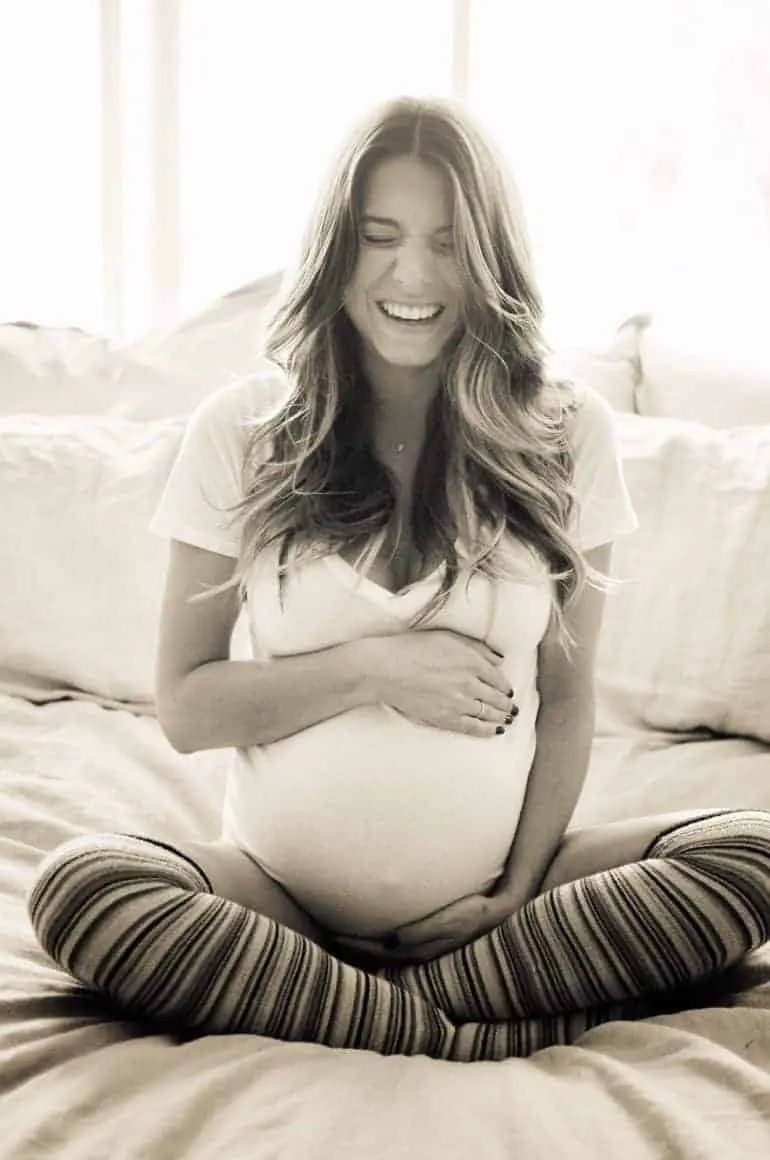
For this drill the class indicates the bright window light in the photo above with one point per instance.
(267, 92)
(50, 195)
(637, 134)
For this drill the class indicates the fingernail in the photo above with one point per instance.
(510, 692)
(515, 710)
(509, 720)
(500, 729)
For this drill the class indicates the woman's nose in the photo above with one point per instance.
(414, 264)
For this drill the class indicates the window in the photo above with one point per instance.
(164, 152)
(638, 135)
(266, 95)
(51, 191)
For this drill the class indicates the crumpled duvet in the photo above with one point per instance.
(76, 1081)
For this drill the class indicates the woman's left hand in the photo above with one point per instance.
(444, 930)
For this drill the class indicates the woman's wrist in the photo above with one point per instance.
(501, 905)
(367, 669)
(512, 895)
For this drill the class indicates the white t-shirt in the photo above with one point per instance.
(369, 819)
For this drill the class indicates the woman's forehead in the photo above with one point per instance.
(407, 185)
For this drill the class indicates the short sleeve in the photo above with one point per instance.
(603, 510)
(206, 477)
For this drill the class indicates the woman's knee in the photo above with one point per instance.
(607, 845)
(730, 834)
(73, 876)
(81, 870)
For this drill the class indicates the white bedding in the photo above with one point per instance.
(77, 1082)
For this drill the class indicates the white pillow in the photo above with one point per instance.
(169, 372)
(81, 576)
(703, 388)
(54, 370)
(44, 370)
(685, 643)
(612, 370)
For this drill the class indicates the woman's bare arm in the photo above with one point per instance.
(565, 727)
(207, 701)
(241, 703)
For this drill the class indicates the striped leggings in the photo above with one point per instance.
(137, 921)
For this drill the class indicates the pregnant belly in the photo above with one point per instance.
(370, 820)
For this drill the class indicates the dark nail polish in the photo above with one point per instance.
(515, 710)
(510, 692)
(500, 729)
(509, 720)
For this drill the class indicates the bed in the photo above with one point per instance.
(683, 722)
(78, 1082)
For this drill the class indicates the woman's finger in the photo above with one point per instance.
(392, 950)
(486, 712)
(503, 702)
(431, 950)
(371, 946)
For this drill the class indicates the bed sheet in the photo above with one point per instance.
(78, 1082)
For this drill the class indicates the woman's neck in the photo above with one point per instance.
(401, 396)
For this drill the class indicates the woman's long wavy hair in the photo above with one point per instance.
(496, 459)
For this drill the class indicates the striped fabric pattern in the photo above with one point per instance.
(696, 903)
(136, 920)
(138, 924)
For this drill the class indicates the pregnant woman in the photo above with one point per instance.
(419, 522)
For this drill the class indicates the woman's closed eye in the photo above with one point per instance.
(379, 239)
(443, 246)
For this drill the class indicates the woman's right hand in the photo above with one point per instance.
(437, 677)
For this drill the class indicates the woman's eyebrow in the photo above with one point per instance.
(385, 221)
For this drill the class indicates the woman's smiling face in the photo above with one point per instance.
(406, 265)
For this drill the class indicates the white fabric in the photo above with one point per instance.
(79, 1081)
(81, 578)
(61, 370)
(205, 480)
(170, 371)
(611, 368)
(356, 790)
(681, 384)
(685, 642)
(54, 370)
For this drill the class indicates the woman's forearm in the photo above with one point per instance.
(565, 727)
(241, 703)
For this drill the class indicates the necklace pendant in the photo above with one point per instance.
(399, 448)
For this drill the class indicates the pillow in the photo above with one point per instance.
(701, 388)
(612, 370)
(54, 370)
(82, 578)
(685, 641)
(170, 372)
(81, 575)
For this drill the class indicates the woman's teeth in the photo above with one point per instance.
(402, 313)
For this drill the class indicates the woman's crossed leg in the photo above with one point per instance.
(198, 935)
